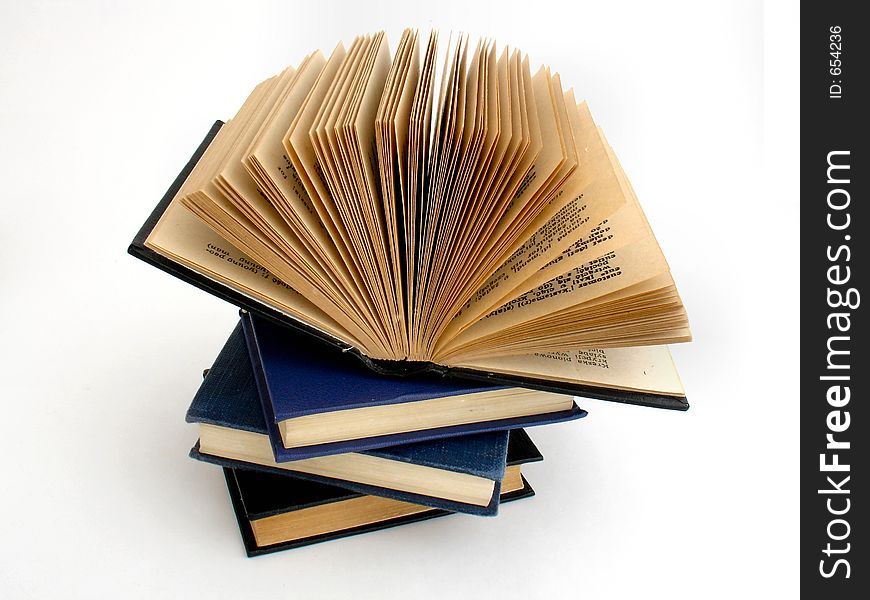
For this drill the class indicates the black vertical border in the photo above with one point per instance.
(833, 120)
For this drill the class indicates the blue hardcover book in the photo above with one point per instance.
(317, 402)
(460, 474)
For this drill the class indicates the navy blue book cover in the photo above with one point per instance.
(296, 377)
(228, 397)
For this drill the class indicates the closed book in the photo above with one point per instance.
(644, 375)
(318, 401)
(276, 512)
(460, 474)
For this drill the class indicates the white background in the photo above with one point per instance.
(101, 104)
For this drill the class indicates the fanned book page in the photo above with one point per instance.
(444, 203)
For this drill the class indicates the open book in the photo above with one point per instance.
(442, 206)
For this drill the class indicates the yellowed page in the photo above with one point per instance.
(335, 168)
(301, 151)
(298, 145)
(391, 133)
(552, 151)
(360, 144)
(442, 157)
(616, 270)
(566, 166)
(520, 155)
(642, 369)
(268, 153)
(489, 144)
(188, 238)
(551, 195)
(499, 135)
(320, 519)
(419, 130)
(274, 245)
(401, 119)
(625, 226)
(342, 173)
(373, 421)
(362, 209)
(250, 222)
(596, 194)
(255, 448)
(511, 235)
(269, 165)
(226, 139)
(183, 238)
(469, 141)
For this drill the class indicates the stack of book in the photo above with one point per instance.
(423, 272)
(316, 446)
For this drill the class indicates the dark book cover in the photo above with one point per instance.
(295, 379)
(396, 368)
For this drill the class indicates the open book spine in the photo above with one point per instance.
(385, 367)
